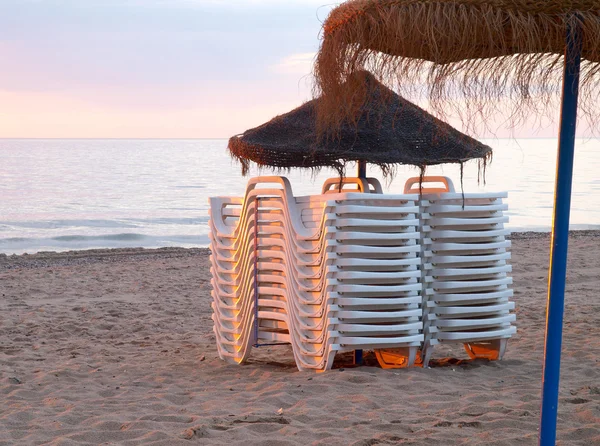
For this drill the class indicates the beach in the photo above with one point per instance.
(116, 347)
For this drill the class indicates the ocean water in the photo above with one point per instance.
(58, 195)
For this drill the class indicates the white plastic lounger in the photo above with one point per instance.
(465, 272)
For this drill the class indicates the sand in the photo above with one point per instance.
(116, 347)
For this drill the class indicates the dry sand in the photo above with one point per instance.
(116, 347)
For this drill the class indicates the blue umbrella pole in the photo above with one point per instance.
(560, 237)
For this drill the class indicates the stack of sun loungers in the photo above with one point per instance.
(373, 277)
(326, 273)
(353, 268)
(465, 270)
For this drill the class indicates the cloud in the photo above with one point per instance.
(55, 116)
(300, 63)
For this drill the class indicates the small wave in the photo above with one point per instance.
(171, 221)
(194, 209)
(21, 245)
(57, 224)
(13, 240)
(83, 238)
(125, 223)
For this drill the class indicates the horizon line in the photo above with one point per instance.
(103, 138)
(218, 138)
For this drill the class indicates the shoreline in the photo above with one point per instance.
(103, 255)
(91, 256)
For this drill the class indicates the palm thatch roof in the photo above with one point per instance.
(389, 130)
(467, 53)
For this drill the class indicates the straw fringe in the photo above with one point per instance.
(466, 57)
(278, 161)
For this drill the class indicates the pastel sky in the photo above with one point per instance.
(153, 68)
(156, 68)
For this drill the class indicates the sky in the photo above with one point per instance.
(153, 68)
(158, 68)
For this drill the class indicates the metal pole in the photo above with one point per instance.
(560, 235)
(362, 169)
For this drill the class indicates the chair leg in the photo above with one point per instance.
(425, 354)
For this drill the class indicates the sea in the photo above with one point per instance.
(73, 194)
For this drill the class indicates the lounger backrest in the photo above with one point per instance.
(428, 185)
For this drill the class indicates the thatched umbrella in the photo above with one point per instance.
(482, 51)
(387, 131)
